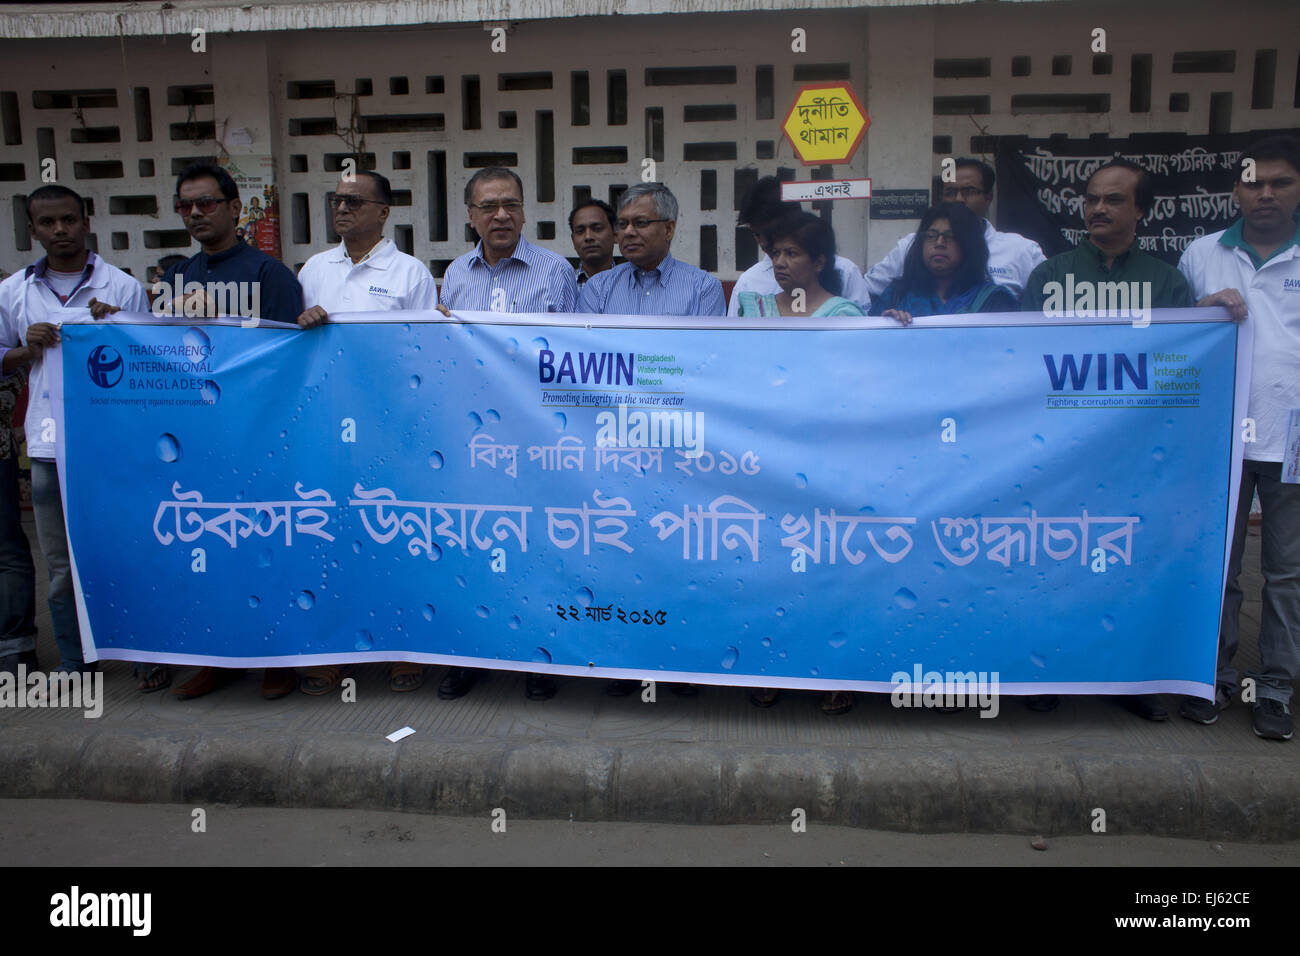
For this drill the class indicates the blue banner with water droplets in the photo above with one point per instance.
(823, 508)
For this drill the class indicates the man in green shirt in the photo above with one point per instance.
(1082, 282)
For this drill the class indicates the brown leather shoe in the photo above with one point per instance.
(279, 682)
(206, 681)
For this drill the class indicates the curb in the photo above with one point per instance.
(1205, 798)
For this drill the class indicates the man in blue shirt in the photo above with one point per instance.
(505, 272)
(253, 285)
(651, 282)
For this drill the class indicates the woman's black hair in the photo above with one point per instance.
(968, 229)
(814, 236)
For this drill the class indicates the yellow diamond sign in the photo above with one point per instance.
(826, 123)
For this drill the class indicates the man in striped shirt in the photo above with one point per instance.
(505, 272)
(651, 282)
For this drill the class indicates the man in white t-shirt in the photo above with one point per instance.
(1253, 269)
(365, 273)
(69, 283)
(760, 208)
(1011, 257)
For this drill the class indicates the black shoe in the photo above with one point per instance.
(1146, 706)
(1205, 711)
(685, 690)
(1272, 720)
(621, 688)
(540, 686)
(1043, 703)
(458, 682)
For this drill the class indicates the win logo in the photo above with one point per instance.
(1076, 369)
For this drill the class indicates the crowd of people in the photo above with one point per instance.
(955, 263)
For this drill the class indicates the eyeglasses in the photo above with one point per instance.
(492, 205)
(931, 235)
(207, 205)
(638, 224)
(966, 192)
(353, 203)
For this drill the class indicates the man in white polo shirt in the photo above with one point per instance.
(1253, 269)
(1011, 256)
(365, 273)
(69, 283)
(760, 209)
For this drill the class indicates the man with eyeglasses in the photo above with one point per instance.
(366, 272)
(1012, 257)
(207, 199)
(651, 281)
(505, 272)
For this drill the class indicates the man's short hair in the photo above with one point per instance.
(762, 203)
(604, 207)
(205, 171)
(382, 185)
(489, 174)
(1285, 148)
(986, 171)
(54, 191)
(665, 202)
(1145, 196)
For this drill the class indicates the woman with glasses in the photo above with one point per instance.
(946, 270)
(803, 264)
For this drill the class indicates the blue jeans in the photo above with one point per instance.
(53, 534)
(1279, 625)
(17, 573)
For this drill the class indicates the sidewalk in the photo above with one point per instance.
(712, 759)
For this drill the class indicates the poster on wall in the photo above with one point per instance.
(259, 219)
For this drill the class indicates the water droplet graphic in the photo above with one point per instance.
(541, 343)
(780, 612)
(1158, 454)
(427, 611)
(306, 600)
(800, 480)
(414, 381)
(264, 558)
(514, 622)
(729, 658)
(435, 551)
(475, 420)
(512, 346)
(905, 599)
(254, 601)
(766, 642)
(169, 449)
(435, 460)
(460, 579)
(585, 597)
(492, 415)
(1108, 622)
(197, 339)
(542, 656)
(481, 611)
(838, 639)
(365, 642)
(561, 421)
(356, 547)
(1038, 661)
(210, 391)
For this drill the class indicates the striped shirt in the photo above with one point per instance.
(531, 279)
(674, 288)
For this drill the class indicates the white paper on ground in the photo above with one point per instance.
(397, 735)
(1291, 453)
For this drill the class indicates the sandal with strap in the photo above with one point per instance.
(837, 702)
(152, 677)
(318, 681)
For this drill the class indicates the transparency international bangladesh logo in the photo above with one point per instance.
(105, 366)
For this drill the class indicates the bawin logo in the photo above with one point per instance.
(105, 366)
